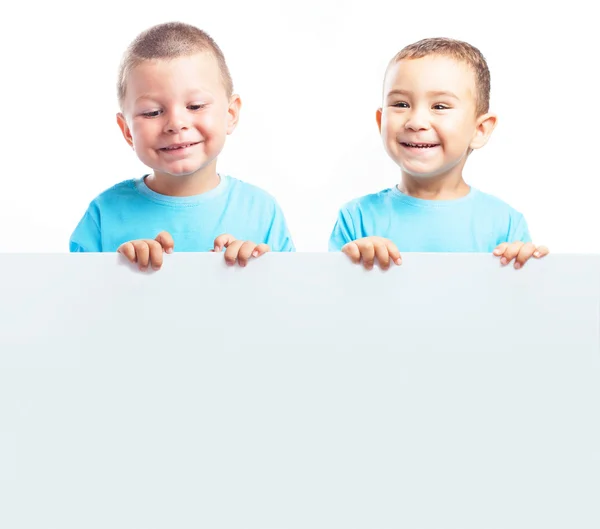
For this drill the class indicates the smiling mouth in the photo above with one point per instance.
(420, 145)
(178, 147)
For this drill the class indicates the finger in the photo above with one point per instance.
(127, 249)
(524, 254)
(367, 251)
(156, 254)
(232, 251)
(501, 248)
(510, 252)
(142, 253)
(394, 252)
(382, 255)
(540, 252)
(223, 241)
(166, 241)
(245, 252)
(261, 249)
(352, 251)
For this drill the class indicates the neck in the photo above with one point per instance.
(442, 188)
(433, 190)
(196, 183)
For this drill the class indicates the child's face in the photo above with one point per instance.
(428, 122)
(176, 114)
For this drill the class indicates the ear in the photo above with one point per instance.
(483, 130)
(122, 122)
(233, 112)
(378, 118)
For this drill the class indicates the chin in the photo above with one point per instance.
(181, 172)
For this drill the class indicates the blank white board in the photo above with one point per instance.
(299, 392)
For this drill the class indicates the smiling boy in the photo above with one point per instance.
(177, 108)
(435, 113)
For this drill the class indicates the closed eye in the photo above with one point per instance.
(196, 107)
(152, 114)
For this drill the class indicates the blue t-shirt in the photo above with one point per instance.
(477, 222)
(131, 210)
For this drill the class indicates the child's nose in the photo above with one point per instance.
(176, 122)
(417, 119)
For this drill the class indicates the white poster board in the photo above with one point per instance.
(299, 392)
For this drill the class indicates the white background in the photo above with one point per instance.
(310, 75)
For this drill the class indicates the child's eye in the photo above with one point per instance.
(400, 104)
(151, 114)
(440, 107)
(196, 107)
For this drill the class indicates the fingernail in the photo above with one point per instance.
(170, 250)
(504, 260)
(398, 261)
(537, 254)
(496, 252)
(517, 266)
(255, 253)
(155, 267)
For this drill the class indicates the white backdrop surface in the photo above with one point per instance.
(310, 76)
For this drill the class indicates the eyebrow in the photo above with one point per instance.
(144, 96)
(437, 93)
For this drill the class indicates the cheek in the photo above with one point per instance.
(213, 124)
(218, 120)
(142, 133)
(389, 128)
(459, 127)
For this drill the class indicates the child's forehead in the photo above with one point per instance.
(202, 64)
(433, 72)
(191, 72)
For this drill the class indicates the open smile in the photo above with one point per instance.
(178, 146)
(419, 145)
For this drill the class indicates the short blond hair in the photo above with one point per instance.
(460, 51)
(169, 41)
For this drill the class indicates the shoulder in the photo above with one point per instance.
(244, 188)
(366, 202)
(493, 204)
(123, 190)
(250, 194)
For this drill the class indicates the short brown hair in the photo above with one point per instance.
(459, 50)
(169, 41)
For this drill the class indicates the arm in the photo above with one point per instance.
(278, 236)
(87, 235)
(343, 231)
